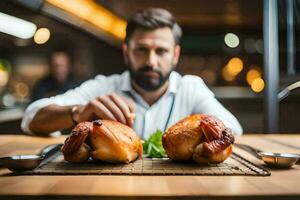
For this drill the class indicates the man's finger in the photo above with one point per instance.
(130, 104)
(126, 109)
(122, 105)
(101, 111)
(130, 109)
(113, 108)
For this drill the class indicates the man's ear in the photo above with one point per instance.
(125, 53)
(176, 54)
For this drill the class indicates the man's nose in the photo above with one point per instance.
(152, 59)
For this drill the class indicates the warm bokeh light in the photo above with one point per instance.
(120, 28)
(102, 19)
(257, 85)
(252, 74)
(94, 13)
(226, 75)
(259, 46)
(4, 76)
(41, 36)
(249, 45)
(231, 40)
(8, 100)
(234, 66)
(22, 89)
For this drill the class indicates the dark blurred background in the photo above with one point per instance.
(222, 43)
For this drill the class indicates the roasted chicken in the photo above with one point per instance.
(200, 137)
(103, 140)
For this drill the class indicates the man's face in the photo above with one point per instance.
(60, 66)
(151, 56)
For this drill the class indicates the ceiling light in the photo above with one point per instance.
(4, 72)
(95, 14)
(16, 27)
(253, 74)
(4, 76)
(259, 46)
(41, 36)
(257, 85)
(226, 75)
(235, 66)
(21, 89)
(231, 40)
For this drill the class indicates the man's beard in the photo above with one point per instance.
(146, 82)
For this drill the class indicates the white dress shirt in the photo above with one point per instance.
(185, 95)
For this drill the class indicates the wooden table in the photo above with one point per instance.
(282, 184)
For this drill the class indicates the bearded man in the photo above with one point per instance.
(148, 96)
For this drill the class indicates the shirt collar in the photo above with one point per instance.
(126, 84)
(173, 82)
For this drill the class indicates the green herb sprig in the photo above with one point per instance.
(153, 146)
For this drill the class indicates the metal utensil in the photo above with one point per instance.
(277, 160)
(29, 162)
(280, 160)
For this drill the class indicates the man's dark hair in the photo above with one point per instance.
(151, 19)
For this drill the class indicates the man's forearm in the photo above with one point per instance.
(51, 118)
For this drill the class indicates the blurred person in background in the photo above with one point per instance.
(58, 81)
(148, 96)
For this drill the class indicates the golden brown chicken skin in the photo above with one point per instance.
(200, 137)
(104, 140)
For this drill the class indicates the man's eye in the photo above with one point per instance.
(142, 50)
(161, 51)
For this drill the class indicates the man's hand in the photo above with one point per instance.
(54, 117)
(112, 107)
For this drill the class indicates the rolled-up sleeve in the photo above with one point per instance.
(80, 95)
